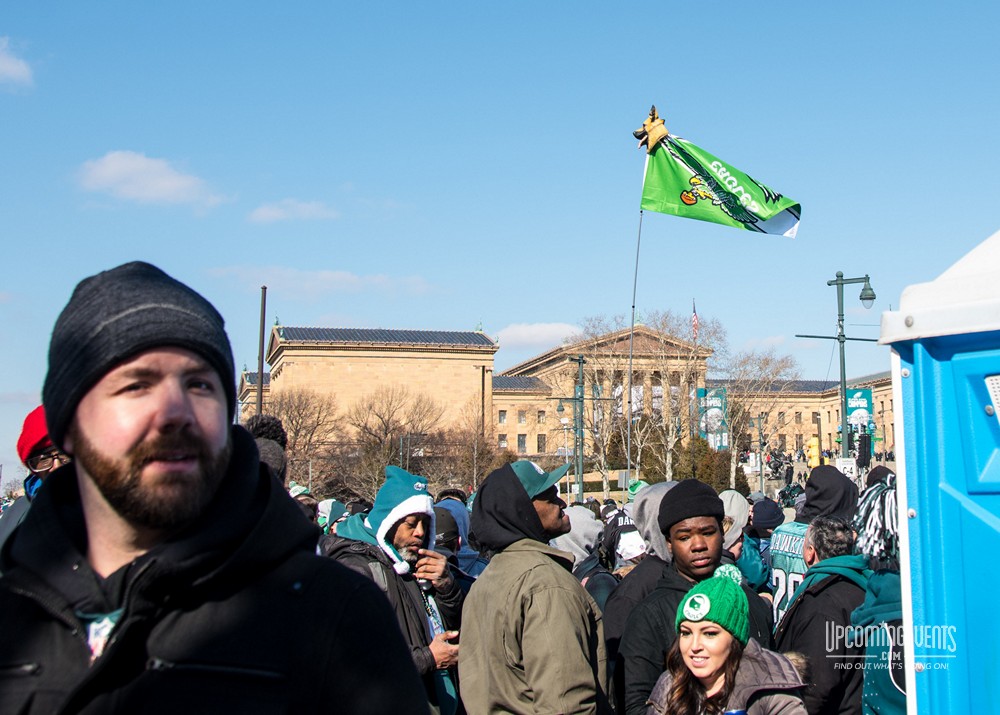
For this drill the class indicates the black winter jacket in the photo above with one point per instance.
(404, 597)
(236, 614)
(836, 680)
(650, 632)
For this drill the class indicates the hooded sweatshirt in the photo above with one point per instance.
(884, 689)
(201, 621)
(640, 581)
(828, 493)
(582, 542)
(469, 559)
(532, 639)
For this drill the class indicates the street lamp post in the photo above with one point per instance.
(867, 298)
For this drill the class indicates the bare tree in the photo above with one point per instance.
(311, 420)
(678, 358)
(756, 381)
(475, 452)
(382, 419)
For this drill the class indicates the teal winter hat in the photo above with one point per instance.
(534, 479)
(402, 494)
(721, 600)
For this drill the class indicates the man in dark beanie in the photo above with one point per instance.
(690, 518)
(163, 570)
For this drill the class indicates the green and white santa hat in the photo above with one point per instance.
(720, 600)
(402, 494)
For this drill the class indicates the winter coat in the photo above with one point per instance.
(404, 596)
(884, 691)
(766, 684)
(532, 640)
(820, 610)
(650, 632)
(235, 613)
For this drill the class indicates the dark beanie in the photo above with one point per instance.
(767, 515)
(118, 314)
(688, 499)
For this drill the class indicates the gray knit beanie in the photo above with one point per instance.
(117, 314)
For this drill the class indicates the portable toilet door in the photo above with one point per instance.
(945, 341)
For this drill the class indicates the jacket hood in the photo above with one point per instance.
(737, 508)
(645, 516)
(251, 522)
(502, 512)
(584, 536)
(466, 555)
(828, 493)
(883, 600)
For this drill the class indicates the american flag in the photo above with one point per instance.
(694, 321)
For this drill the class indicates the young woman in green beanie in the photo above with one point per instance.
(714, 667)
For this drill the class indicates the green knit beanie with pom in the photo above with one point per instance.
(721, 600)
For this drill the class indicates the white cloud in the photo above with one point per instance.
(310, 285)
(292, 210)
(137, 177)
(13, 69)
(535, 335)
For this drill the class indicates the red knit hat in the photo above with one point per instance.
(34, 435)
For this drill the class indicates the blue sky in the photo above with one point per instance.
(442, 165)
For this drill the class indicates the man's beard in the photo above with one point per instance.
(173, 500)
(409, 554)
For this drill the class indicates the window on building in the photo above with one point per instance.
(798, 421)
(501, 441)
(502, 417)
(522, 417)
(541, 444)
(541, 417)
(522, 443)
(781, 418)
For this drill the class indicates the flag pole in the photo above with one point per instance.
(631, 334)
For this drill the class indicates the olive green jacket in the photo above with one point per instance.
(532, 639)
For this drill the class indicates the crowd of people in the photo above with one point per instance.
(160, 561)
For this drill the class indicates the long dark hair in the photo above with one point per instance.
(687, 694)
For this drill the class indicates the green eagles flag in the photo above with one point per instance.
(685, 180)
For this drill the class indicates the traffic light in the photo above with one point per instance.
(812, 452)
(864, 450)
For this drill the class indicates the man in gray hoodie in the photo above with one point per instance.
(640, 581)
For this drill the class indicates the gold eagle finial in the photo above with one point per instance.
(651, 131)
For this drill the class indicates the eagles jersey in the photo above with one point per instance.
(787, 565)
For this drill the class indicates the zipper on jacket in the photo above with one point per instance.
(24, 669)
(211, 668)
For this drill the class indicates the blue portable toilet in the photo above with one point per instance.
(945, 341)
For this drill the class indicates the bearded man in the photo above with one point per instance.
(164, 570)
(392, 545)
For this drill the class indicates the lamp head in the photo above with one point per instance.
(867, 294)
